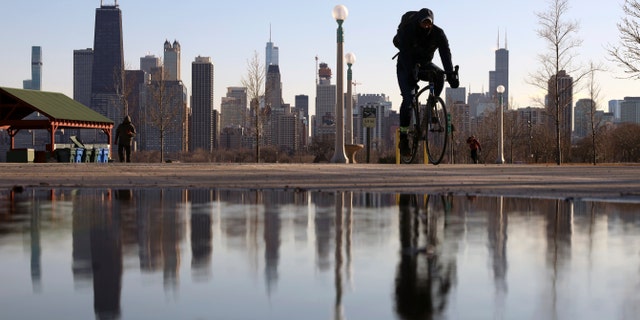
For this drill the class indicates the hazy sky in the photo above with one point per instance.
(231, 31)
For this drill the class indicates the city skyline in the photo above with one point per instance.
(208, 33)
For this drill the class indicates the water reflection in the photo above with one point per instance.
(314, 255)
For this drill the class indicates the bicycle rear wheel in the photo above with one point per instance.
(413, 135)
(437, 136)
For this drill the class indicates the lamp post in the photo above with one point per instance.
(500, 90)
(350, 59)
(340, 13)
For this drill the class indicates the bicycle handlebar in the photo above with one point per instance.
(454, 73)
(449, 75)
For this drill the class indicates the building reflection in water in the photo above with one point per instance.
(116, 230)
(97, 221)
(201, 211)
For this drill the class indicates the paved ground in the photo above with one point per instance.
(614, 182)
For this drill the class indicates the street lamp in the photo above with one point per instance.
(340, 13)
(500, 90)
(350, 59)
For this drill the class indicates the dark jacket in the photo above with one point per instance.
(125, 132)
(474, 144)
(418, 45)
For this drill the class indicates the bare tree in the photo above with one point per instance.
(255, 84)
(124, 87)
(165, 109)
(559, 35)
(595, 122)
(627, 52)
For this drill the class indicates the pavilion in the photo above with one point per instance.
(60, 111)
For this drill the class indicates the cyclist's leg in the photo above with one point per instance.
(407, 84)
(435, 74)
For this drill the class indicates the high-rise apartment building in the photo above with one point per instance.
(302, 105)
(172, 61)
(561, 88)
(35, 83)
(630, 110)
(500, 76)
(150, 64)
(82, 66)
(202, 127)
(455, 95)
(107, 74)
(324, 121)
(614, 108)
(585, 109)
(234, 108)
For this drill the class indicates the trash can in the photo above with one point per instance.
(63, 155)
(104, 155)
(91, 155)
(78, 155)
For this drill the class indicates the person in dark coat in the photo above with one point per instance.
(125, 133)
(474, 146)
(417, 40)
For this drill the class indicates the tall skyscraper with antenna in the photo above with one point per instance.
(108, 62)
(500, 76)
(271, 54)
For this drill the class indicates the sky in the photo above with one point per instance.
(230, 32)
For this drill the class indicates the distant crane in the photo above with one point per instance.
(355, 84)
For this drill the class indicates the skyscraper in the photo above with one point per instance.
(273, 87)
(35, 83)
(302, 109)
(108, 62)
(501, 75)
(324, 122)
(82, 66)
(271, 54)
(172, 61)
(561, 88)
(149, 64)
(202, 127)
(630, 110)
(234, 108)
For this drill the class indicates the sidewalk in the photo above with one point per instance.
(614, 182)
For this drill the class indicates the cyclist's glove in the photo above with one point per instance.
(454, 82)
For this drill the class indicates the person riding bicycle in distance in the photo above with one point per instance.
(417, 40)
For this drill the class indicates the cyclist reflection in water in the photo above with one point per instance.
(423, 278)
(417, 39)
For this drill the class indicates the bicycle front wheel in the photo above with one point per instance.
(437, 135)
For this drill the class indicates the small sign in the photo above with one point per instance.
(369, 117)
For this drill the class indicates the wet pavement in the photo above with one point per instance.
(548, 181)
(176, 253)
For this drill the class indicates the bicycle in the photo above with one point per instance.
(429, 123)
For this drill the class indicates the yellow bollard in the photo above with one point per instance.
(424, 152)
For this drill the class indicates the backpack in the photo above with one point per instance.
(407, 17)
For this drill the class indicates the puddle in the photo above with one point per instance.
(225, 254)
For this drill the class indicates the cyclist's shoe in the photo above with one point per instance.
(404, 145)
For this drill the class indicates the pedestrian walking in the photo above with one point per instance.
(474, 146)
(125, 133)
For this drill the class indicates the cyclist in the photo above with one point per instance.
(417, 39)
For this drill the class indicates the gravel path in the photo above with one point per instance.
(613, 182)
